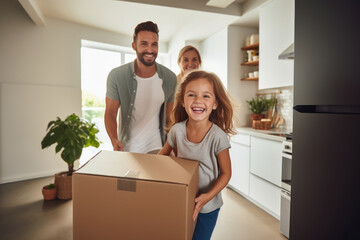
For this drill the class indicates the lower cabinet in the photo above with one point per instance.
(266, 159)
(256, 170)
(265, 194)
(240, 158)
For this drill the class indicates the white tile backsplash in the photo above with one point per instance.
(284, 106)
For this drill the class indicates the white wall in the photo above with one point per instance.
(239, 90)
(194, 43)
(175, 45)
(40, 79)
(221, 54)
(26, 110)
(214, 54)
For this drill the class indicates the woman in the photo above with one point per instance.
(189, 59)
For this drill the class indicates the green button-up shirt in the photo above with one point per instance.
(122, 86)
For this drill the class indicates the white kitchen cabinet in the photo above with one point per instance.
(266, 159)
(240, 157)
(266, 195)
(276, 33)
(265, 173)
(256, 161)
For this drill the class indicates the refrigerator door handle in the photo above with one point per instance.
(330, 109)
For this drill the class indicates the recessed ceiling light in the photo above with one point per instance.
(219, 3)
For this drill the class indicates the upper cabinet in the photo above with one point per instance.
(276, 30)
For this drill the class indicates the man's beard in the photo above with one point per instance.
(140, 56)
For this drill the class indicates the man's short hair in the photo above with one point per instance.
(145, 26)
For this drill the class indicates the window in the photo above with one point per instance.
(95, 66)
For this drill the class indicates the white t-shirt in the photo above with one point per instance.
(145, 120)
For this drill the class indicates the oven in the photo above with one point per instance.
(286, 186)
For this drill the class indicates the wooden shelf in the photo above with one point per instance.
(252, 63)
(251, 47)
(250, 79)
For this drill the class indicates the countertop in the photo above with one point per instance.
(272, 134)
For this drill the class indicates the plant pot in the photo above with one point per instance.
(63, 183)
(256, 117)
(256, 124)
(49, 194)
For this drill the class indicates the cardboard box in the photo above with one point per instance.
(121, 195)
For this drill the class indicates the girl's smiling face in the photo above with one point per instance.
(199, 99)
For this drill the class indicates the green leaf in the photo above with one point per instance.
(259, 104)
(70, 136)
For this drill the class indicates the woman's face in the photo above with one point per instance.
(189, 61)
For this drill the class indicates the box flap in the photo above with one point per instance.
(140, 166)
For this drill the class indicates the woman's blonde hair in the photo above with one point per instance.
(222, 116)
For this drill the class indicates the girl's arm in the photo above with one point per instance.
(223, 159)
(166, 150)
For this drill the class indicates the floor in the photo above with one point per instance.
(241, 219)
(25, 215)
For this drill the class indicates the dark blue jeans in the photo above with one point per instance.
(205, 225)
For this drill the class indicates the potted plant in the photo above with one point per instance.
(258, 106)
(70, 136)
(49, 191)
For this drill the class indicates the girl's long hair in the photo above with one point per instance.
(222, 116)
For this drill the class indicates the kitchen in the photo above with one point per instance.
(54, 71)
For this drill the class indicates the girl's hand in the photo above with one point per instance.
(166, 150)
(117, 145)
(200, 201)
(225, 174)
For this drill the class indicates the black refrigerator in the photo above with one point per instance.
(325, 197)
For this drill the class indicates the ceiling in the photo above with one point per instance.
(193, 19)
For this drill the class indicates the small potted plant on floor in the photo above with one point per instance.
(70, 136)
(49, 192)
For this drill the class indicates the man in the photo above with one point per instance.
(144, 91)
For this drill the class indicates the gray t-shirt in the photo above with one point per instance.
(205, 152)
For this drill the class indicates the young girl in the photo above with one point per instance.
(201, 120)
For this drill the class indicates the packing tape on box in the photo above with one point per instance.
(132, 174)
(128, 185)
